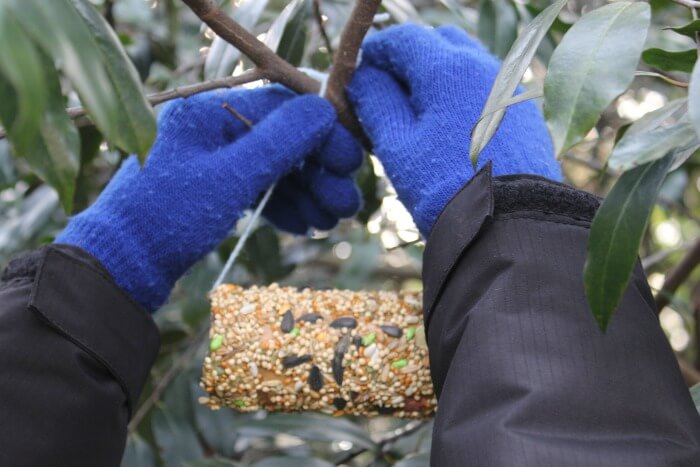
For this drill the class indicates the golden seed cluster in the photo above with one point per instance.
(334, 351)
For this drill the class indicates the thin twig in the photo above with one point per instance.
(345, 60)
(79, 114)
(167, 378)
(321, 26)
(401, 432)
(677, 276)
(238, 115)
(668, 79)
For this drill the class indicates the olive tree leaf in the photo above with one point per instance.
(54, 153)
(514, 65)
(21, 66)
(593, 64)
(688, 30)
(498, 25)
(653, 136)
(222, 56)
(287, 461)
(293, 41)
(274, 34)
(671, 61)
(89, 54)
(694, 99)
(402, 11)
(695, 394)
(616, 233)
(138, 453)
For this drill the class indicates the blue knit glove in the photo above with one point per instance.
(418, 92)
(151, 224)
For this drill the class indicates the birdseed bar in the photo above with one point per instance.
(333, 351)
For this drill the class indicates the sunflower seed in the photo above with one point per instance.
(290, 361)
(339, 403)
(385, 410)
(344, 322)
(370, 350)
(357, 341)
(315, 378)
(287, 323)
(310, 317)
(343, 344)
(391, 330)
(338, 370)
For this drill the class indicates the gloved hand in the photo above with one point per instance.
(418, 93)
(206, 167)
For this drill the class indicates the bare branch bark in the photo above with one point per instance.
(345, 60)
(79, 114)
(271, 65)
(677, 276)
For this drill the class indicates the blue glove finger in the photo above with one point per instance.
(333, 193)
(381, 103)
(314, 215)
(341, 153)
(276, 144)
(283, 213)
(455, 36)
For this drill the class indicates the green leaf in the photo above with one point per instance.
(695, 394)
(402, 11)
(688, 30)
(138, 453)
(286, 461)
(222, 56)
(652, 137)
(616, 233)
(508, 78)
(263, 256)
(417, 460)
(89, 54)
(291, 46)
(694, 99)
(214, 462)
(498, 25)
(671, 61)
(20, 64)
(593, 64)
(136, 122)
(274, 34)
(54, 154)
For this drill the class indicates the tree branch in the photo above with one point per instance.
(677, 276)
(345, 60)
(321, 26)
(79, 114)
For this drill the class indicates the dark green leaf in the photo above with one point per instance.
(593, 64)
(694, 99)
(54, 154)
(417, 460)
(402, 11)
(7, 166)
(689, 30)
(222, 56)
(695, 393)
(21, 66)
(367, 181)
(138, 453)
(498, 25)
(263, 257)
(508, 78)
(671, 61)
(616, 233)
(291, 46)
(215, 462)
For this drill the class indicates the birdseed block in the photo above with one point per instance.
(333, 351)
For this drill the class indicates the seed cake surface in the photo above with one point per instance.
(334, 351)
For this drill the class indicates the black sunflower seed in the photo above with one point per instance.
(354, 394)
(385, 410)
(315, 378)
(287, 323)
(357, 341)
(290, 361)
(344, 322)
(310, 317)
(339, 403)
(392, 331)
(338, 370)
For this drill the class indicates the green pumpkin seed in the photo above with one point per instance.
(410, 333)
(239, 403)
(399, 363)
(369, 338)
(216, 342)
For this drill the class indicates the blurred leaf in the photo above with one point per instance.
(283, 461)
(688, 30)
(31, 215)
(222, 56)
(263, 256)
(7, 166)
(616, 233)
(593, 64)
(498, 25)
(509, 76)
(368, 182)
(402, 11)
(89, 53)
(54, 153)
(138, 453)
(417, 460)
(216, 462)
(674, 186)
(274, 34)
(22, 67)
(649, 138)
(695, 393)
(309, 426)
(291, 46)
(671, 61)
(694, 99)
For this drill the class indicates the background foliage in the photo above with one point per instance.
(619, 124)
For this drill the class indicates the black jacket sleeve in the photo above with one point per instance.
(75, 352)
(523, 374)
